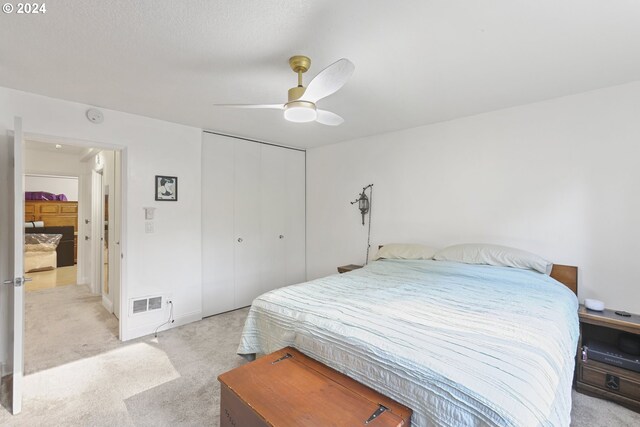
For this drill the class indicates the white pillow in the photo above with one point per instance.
(405, 251)
(494, 255)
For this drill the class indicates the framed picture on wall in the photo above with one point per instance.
(167, 188)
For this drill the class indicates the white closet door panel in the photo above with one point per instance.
(217, 224)
(295, 208)
(272, 221)
(247, 212)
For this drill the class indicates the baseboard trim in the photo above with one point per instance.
(107, 303)
(150, 329)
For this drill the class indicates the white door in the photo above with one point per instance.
(13, 284)
(253, 221)
(84, 225)
(218, 236)
(295, 208)
(272, 219)
(247, 212)
(97, 230)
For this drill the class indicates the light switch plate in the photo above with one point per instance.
(148, 227)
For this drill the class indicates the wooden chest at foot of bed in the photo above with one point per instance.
(287, 389)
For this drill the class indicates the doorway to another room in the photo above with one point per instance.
(51, 250)
(72, 234)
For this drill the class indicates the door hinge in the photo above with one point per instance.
(376, 413)
(286, 356)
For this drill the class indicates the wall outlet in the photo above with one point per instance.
(148, 227)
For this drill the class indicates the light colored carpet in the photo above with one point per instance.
(79, 374)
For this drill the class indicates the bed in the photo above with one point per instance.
(40, 252)
(460, 344)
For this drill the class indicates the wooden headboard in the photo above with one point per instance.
(565, 274)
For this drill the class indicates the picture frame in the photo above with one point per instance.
(166, 188)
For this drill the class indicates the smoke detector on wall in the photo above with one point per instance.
(95, 116)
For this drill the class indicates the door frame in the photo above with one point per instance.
(123, 208)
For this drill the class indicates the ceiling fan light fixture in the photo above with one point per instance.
(300, 111)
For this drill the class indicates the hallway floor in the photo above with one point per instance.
(61, 276)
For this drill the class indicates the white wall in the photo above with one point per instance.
(66, 185)
(51, 163)
(559, 178)
(168, 261)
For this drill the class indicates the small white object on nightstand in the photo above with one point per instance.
(594, 304)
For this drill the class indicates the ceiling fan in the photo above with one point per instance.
(301, 104)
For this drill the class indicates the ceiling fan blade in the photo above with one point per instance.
(328, 118)
(329, 80)
(269, 106)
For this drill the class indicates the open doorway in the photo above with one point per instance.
(72, 228)
(51, 198)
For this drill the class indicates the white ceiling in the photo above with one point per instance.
(417, 62)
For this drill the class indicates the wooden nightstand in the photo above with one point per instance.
(347, 268)
(602, 379)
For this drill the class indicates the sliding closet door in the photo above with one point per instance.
(295, 218)
(247, 214)
(218, 237)
(253, 221)
(272, 221)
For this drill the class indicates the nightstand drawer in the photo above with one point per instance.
(610, 380)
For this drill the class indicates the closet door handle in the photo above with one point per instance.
(239, 239)
(281, 236)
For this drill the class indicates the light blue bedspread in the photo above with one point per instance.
(461, 345)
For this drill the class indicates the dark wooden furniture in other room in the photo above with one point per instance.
(288, 389)
(602, 379)
(65, 251)
(54, 214)
(347, 268)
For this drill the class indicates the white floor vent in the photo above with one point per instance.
(139, 306)
(155, 303)
(143, 305)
